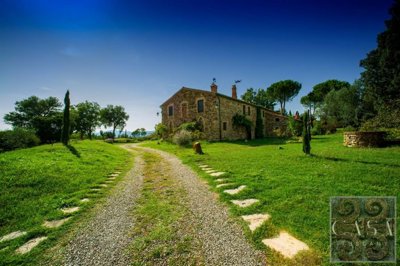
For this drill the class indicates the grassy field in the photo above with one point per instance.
(294, 188)
(35, 183)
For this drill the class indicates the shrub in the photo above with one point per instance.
(182, 138)
(17, 139)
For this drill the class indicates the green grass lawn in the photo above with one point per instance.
(293, 188)
(35, 183)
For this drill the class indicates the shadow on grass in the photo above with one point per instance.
(73, 150)
(260, 142)
(335, 159)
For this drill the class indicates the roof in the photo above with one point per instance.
(224, 96)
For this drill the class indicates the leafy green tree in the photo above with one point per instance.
(343, 106)
(115, 117)
(66, 121)
(143, 132)
(88, 118)
(322, 89)
(283, 92)
(258, 97)
(310, 101)
(136, 133)
(26, 111)
(382, 68)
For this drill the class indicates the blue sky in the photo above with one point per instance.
(138, 53)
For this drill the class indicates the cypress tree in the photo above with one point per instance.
(306, 133)
(66, 121)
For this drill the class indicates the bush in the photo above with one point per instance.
(182, 138)
(17, 139)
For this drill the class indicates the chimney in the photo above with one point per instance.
(234, 93)
(214, 87)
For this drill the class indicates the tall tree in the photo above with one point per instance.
(114, 116)
(41, 115)
(306, 133)
(258, 97)
(66, 120)
(88, 118)
(382, 67)
(309, 101)
(283, 92)
(322, 89)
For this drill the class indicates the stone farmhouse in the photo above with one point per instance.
(214, 112)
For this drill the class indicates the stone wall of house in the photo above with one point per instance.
(274, 124)
(217, 115)
(364, 139)
(228, 110)
(181, 114)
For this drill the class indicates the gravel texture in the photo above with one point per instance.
(223, 241)
(103, 241)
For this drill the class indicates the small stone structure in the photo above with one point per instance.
(364, 139)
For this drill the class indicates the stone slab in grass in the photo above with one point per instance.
(286, 244)
(111, 178)
(95, 189)
(203, 166)
(70, 210)
(113, 175)
(255, 220)
(85, 200)
(217, 174)
(12, 236)
(103, 185)
(207, 169)
(244, 203)
(28, 246)
(220, 180)
(210, 171)
(235, 190)
(224, 185)
(117, 172)
(55, 223)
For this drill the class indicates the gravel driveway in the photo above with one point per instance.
(103, 241)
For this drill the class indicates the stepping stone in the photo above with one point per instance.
(84, 200)
(95, 189)
(255, 220)
(244, 203)
(103, 185)
(12, 236)
(117, 172)
(210, 171)
(220, 180)
(224, 185)
(235, 191)
(70, 210)
(113, 175)
(111, 178)
(109, 181)
(217, 174)
(28, 246)
(286, 244)
(203, 166)
(55, 223)
(207, 169)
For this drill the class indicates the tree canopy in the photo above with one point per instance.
(258, 97)
(88, 118)
(382, 66)
(283, 91)
(322, 89)
(114, 116)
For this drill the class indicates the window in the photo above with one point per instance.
(170, 110)
(248, 110)
(277, 119)
(184, 109)
(224, 126)
(244, 109)
(200, 106)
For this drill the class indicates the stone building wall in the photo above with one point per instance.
(184, 104)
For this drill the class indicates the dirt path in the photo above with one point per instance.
(103, 241)
(218, 239)
(222, 240)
